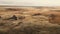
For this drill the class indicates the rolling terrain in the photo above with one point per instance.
(29, 20)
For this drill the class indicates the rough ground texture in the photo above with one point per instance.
(30, 20)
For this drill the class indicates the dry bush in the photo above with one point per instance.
(27, 28)
(34, 29)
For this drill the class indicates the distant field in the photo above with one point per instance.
(29, 20)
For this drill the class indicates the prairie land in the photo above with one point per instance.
(29, 20)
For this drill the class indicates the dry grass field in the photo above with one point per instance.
(29, 20)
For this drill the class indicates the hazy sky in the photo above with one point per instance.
(31, 2)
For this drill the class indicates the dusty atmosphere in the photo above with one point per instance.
(29, 20)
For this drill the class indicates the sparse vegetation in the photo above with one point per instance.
(28, 21)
